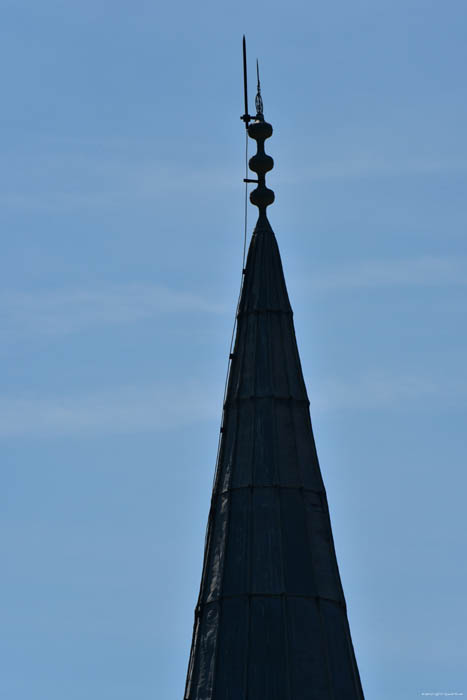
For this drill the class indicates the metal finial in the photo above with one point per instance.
(259, 130)
(258, 98)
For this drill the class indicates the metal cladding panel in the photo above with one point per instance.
(206, 657)
(267, 667)
(264, 380)
(295, 380)
(245, 442)
(306, 451)
(278, 357)
(297, 559)
(343, 668)
(326, 573)
(309, 669)
(229, 449)
(266, 565)
(237, 561)
(271, 621)
(217, 549)
(288, 473)
(242, 374)
(263, 457)
(230, 682)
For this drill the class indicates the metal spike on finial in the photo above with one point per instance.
(258, 98)
(245, 117)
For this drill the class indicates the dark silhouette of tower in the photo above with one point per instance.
(271, 620)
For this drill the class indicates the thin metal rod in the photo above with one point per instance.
(245, 84)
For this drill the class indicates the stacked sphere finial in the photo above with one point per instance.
(261, 164)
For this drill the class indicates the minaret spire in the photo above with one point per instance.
(271, 618)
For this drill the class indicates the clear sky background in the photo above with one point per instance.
(122, 158)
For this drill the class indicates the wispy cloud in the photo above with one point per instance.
(357, 154)
(134, 409)
(123, 410)
(69, 181)
(82, 181)
(67, 311)
(379, 165)
(416, 272)
(379, 390)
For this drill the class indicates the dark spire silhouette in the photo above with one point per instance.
(271, 621)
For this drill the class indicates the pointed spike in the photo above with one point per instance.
(245, 84)
(258, 99)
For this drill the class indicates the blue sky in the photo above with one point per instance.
(122, 229)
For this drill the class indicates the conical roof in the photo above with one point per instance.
(271, 621)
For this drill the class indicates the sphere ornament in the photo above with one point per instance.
(261, 163)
